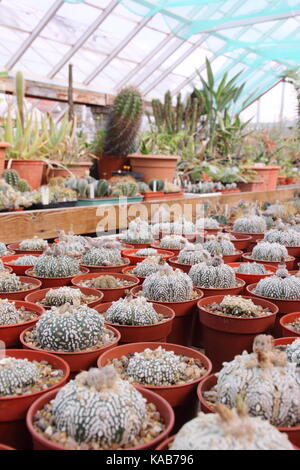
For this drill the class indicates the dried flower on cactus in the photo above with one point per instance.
(55, 263)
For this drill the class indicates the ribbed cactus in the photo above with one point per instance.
(219, 245)
(157, 185)
(102, 257)
(26, 260)
(3, 249)
(266, 251)
(16, 374)
(193, 254)
(149, 266)
(146, 252)
(167, 285)
(63, 295)
(127, 189)
(9, 282)
(203, 223)
(213, 274)
(250, 224)
(283, 235)
(124, 122)
(75, 249)
(139, 231)
(12, 177)
(24, 186)
(175, 242)
(55, 263)
(267, 382)
(293, 352)
(9, 314)
(251, 268)
(99, 407)
(131, 311)
(33, 244)
(280, 286)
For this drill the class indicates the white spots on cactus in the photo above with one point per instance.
(219, 245)
(213, 274)
(55, 263)
(15, 374)
(102, 257)
(131, 311)
(63, 295)
(250, 224)
(175, 242)
(139, 231)
(251, 268)
(3, 249)
(293, 352)
(203, 223)
(9, 282)
(26, 260)
(266, 251)
(33, 244)
(280, 286)
(149, 266)
(146, 252)
(193, 254)
(9, 314)
(283, 235)
(167, 285)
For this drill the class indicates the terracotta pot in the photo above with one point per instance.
(3, 147)
(166, 443)
(225, 336)
(255, 237)
(39, 295)
(232, 258)
(284, 341)
(165, 410)
(20, 295)
(137, 246)
(19, 270)
(134, 259)
(291, 180)
(9, 334)
(252, 186)
(293, 251)
(77, 169)
(182, 266)
(281, 180)
(133, 333)
(284, 306)
(106, 269)
(293, 433)
(128, 271)
(289, 318)
(289, 262)
(109, 295)
(169, 250)
(8, 253)
(108, 164)
(211, 291)
(267, 173)
(54, 281)
(15, 248)
(160, 167)
(252, 278)
(29, 170)
(183, 322)
(242, 241)
(153, 195)
(13, 410)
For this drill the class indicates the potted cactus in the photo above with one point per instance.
(103, 259)
(173, 243)
(150, 265)
(25, 376)
(139, 234)
(221, 245)
(113, 286)
(30, 246)
(252, 272)
(190, 255)
(290, 324)
(229, 324)
(285, 235)
(137, 255)
(270, 253)
(56, 297)
(89, 338)
(136, 318)
(20, 263)
(15, 287)
(210, 225)
(4, 251)
(253, 225)
(126, 418)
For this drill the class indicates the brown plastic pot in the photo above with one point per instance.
(19, 270)
(106, 269)
(39, 295)
(54, 281)
(78, 361)
(252, 278)
(20, 295)
(255, 237)
(289, 262)
(242, 241)
(109, 295)
(157, 332)
(284, 307)
(285, 320)
(166, 443)
(163, 407)
(128, 271)
(15, 247)
(13, 409)
(172, 250)
(10, 334)
(182, 266)
(225, 336)
(183, 322)
(134, 259)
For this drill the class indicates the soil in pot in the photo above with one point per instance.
(227, 335)
(89, 297)
(106, 269)
(290, 324)
(134, 257)
(53, 372)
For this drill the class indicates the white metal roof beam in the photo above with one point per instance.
(117, 50)
(82, 40)
(34, 34)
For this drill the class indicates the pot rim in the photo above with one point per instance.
(28, 322)
(241, 284)
(252, 286)
(246, 256)
(135, 282)
(34, 276)
(91, 266)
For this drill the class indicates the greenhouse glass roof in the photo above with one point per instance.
(153, 44)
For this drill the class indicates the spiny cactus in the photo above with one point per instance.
(3, 249)
(269, 252)
(124, 122)
(267, 382)
(102, 257)
(139, 231)
(55, 263)
(9, 282)
(203, 223)
(130, 311)
(69, 328)
(15, 374)
(146, 252)
(33, 244)
(167, 285)
(9, 314)
(236, 305)
(250, 224)
(229, 430)
(283, 235)
(128, 189)
(157, 185)
(63, 295)
(293, 352)
(11, 177)
(251, 268)
(23, 186)
(213, 274)
(219, 245)
(27, 260)
(74, 249)
(193, 254)
(149, 266)
(280, 286)
(182, 226)
(98, 406)
(175, 242)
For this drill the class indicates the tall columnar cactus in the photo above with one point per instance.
(130, 311)
(15, 374)
(33, 244)
(69, 328)
(167, 285)
(102, 257)
(124, 122)
(213, 274)
(250, 224)
(267, 382)
(283, 235)
(20, 95)
(9, 282)
(9, 314)
(63, 295)
(55, 263)
(193, 254)
(281, 286)
(99, 406)
(219, 245)
(266, 251)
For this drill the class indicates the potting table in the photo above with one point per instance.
(15, 226)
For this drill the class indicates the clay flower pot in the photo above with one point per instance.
(255, 237)
(165, 410)
(77, 361)
(242, 241)
(212, 291)
(54, 281)
(183, 322)
(39, 295)
(284, 307)
(128, 271)
(106, 269)
(10, 333)
(182, 266)
(157, 332)
(29, 170)
(20, 295)
(252, 278)
(285, 320)
(17, 269)
(168, 250)
(225, 336)
(166, 443)
(16, 248)
(289, 262)
(13, 410)
(134, 259)
(154, 166)
(109, 295)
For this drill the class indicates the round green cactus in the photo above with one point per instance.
(55, 263)
(11, 177)
(15, 374)
(283, 235)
